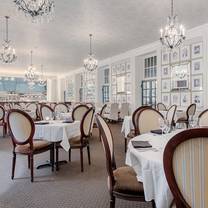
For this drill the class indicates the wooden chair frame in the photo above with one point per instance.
(2, 122)
(46, 106)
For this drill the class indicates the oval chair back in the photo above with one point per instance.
(161, 107)
(78, 112)
(108, 145)
(148, 119)
(2, 114)
(185, 166)
(21, 127)
(102, 112)
(46, 111)
(171, 114)
(191, 110)
(61, 108)
(33, 108)
(203, 118)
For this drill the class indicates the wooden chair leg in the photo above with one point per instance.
(28, 161)
(4, 133)
(31, 167)
(112, 202)
(153, 204)
(88, 153)
(125, 140)
(69, 155)
(81, 159)
(57, 158)
(13, 164)
(52, 158)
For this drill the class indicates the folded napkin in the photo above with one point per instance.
(156, 131)
(141, 144)
(41, 123)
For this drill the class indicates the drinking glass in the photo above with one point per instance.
(161, 124)
(193, 122)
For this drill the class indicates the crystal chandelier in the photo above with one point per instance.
(8, 54)
(173, 34)
(31, 74)
(90, 63)
(36, 9)
(42, 80)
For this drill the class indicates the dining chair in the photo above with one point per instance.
(170, 115)
(203, 118)
(78, 112)
(122, 181)
(113, 113)
(82, 141)
(124, 110)
(185, 167)
(46, 112)
(161, 107)
(61, 108)
(90, 105)
(190, 112)
(102, 111)
(32, 107)
(147, 120)
(22, 128)
(2, 120)
(133, 132)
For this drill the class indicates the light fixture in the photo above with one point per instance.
(173, 34)
(90, 63)
(31, 74)
(42, 80)
(8, 54)
(36, 9)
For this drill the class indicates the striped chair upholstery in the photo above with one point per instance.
(186, 168)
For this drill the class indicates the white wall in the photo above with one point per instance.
(136, 58)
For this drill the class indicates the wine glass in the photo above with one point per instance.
(193, 122)
(161, 124)
(167, 127)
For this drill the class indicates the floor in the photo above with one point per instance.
(67, 188)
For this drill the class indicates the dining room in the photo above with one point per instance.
(103, 104)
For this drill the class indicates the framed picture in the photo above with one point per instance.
(185, 99)
(175, 99)
(197, 97)
(196, 67)
(128, 67)
(166, 71)
(122, 68)
(197, 50)
(166, 98)
(197, 82)
(120, 84)
(185, 53)
(165, 58)
(113, 70)
(166, 85)
(175, 55)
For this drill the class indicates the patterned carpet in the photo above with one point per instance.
(67, 188)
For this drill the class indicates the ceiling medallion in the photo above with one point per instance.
(173, 34)
(31, 74)
(42, 79)
(8, 54)
(38, 10)
(90, 63)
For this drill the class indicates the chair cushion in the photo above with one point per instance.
(126, 181)
(37, 145)
(76, 141)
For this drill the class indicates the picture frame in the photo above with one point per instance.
(166, 99)
(166, 85)
(197, 66)
(175, 55)
(122, 68)
(114, 69)
(128, 67)
(166, 72)
(175, 99)
(185, 99)
(197, 98)
(165, 58)
(197, 50)
(185, 54)
(197, 83)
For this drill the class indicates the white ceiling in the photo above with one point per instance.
(117, 26)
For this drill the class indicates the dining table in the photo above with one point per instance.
(57, 132)
(148, 165)
(127, 125)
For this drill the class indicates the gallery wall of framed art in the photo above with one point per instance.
(182, 76)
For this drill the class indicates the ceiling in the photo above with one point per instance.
(117, 26)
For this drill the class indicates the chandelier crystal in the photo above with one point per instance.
(8, 53)
(31, 74)
(173, 34)
(90, 63)
(38, 10)
(42, 80)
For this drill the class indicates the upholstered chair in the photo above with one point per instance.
(46, 112)
(113, 113)
(185, 167)
(2, 120)
(161, 107)
(203, 119)
(147, 120)
(78, 112)
(21, 129)
(122, 181)
(33, 108)
(170, 115)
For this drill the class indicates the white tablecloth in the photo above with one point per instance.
(127, 125)
(58, 131)
(148, 164)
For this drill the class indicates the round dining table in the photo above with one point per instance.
(148, 165)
